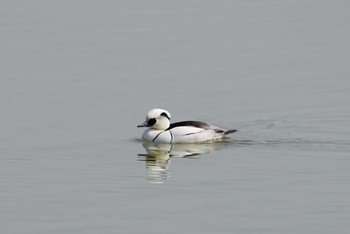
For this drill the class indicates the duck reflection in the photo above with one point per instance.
(157, 157)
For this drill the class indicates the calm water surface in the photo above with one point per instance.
(77, 78)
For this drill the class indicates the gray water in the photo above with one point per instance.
(77, 77)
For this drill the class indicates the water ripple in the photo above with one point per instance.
(310, 132)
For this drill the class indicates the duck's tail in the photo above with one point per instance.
(230, 131)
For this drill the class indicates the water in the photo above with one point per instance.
(77, 78)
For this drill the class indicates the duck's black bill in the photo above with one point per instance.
(144, 124)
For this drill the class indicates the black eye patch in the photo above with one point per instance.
(151, 122)
(165, 115)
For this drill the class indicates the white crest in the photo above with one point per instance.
(157, 112)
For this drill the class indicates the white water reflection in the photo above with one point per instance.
(157, 161)
(158, 155)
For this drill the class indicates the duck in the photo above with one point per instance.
(160, 130)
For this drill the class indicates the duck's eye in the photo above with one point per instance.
(151, 122)
(165, 115)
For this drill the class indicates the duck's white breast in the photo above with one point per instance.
(157, 136)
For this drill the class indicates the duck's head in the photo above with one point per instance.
(157, 119)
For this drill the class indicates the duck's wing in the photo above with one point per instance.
(197, 126)
(185, 128)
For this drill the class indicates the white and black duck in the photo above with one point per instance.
(160, 130)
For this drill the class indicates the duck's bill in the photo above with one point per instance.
(144, 124)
